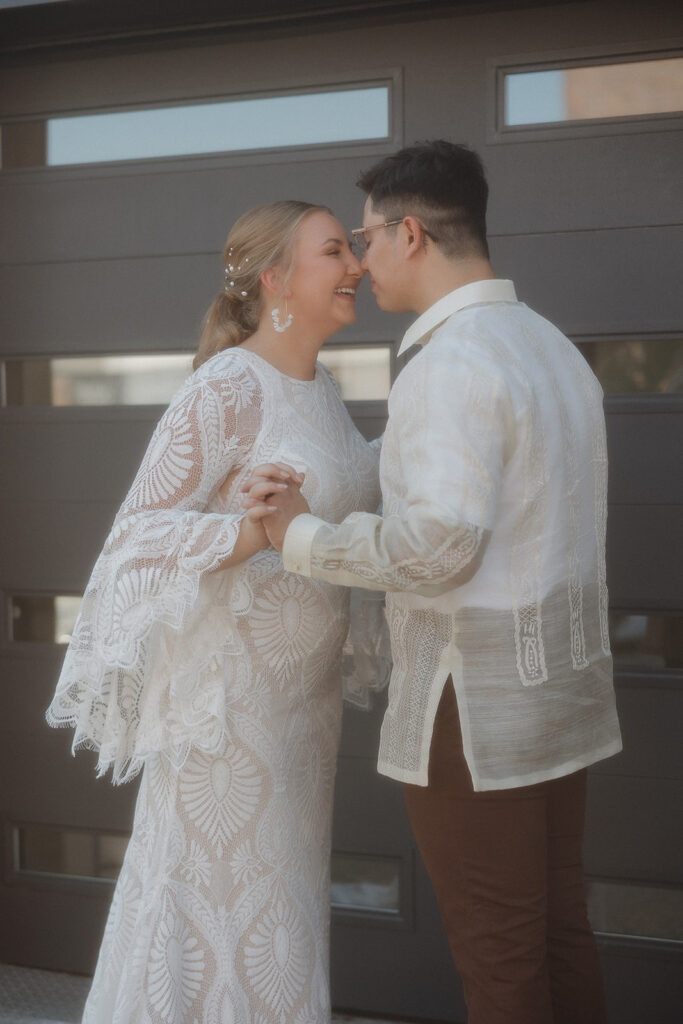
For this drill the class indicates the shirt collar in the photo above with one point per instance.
(420, 332)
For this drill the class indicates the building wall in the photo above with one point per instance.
(123, 258)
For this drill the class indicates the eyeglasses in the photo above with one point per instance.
(360, 242)
(359, 233)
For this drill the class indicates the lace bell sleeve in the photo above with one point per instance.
(119, 686)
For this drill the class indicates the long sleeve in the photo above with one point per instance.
(163, 547)
(162, 534)
(442, 461)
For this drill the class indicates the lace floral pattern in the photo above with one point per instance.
(157, 645)
(206, 931)
(225, 686)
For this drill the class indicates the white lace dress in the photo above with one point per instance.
(225, 686)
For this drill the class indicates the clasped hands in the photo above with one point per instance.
(273, 498)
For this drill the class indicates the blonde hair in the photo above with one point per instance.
(261, 238)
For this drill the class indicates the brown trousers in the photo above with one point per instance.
(507, 872)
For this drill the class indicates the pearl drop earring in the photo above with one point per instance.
(277, 323)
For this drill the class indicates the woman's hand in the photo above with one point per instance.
(266, 480)
(271, 473)
(251, 539)
(273, 498)
(253, 535)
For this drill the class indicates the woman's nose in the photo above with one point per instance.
(356, 268)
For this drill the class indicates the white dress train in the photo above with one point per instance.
(221, 912)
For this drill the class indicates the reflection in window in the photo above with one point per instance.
(625, 89)
(629, 908)
(649, 365)
(366, 883)
(43, 618)
(150, 379)
(646, 642)
(77, 854)
(362, 372)
(269, 122)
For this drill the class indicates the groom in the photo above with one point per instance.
(491, 548)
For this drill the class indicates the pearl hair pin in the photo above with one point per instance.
(231, 270)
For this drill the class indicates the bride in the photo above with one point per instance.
(199, 660)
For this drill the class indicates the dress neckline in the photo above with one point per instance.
(280, 373)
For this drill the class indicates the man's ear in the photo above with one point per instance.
(414, 237)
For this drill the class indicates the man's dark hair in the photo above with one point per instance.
(442, 184)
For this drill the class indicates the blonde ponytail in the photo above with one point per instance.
(227, 322)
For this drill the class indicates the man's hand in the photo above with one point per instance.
(273, 498)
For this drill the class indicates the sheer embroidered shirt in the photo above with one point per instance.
(491, 545)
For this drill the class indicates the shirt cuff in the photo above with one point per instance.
(296, 550)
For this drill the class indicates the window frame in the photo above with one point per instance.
(665, 400)
(391, 78)
(30, 411)
(634, 940)
(49, 357)
(9, 643)
(403, 919)
(498, 68)
(14, 875)
(639, 673)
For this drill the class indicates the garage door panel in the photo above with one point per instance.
(51, 546)
(584, 183)
(631, 832)
(74, 460)
(58, 789)
(360, 729)
(642, 985)
(111, 306)
(356, 822)
(147, 304)
(642, 572)
(64, 942)
(27, 681)
(76, 217)
(652, 749)
(645, 450)
(591, 283)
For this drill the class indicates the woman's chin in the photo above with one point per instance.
(347, 317)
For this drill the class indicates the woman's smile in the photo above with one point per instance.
(346, 293)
